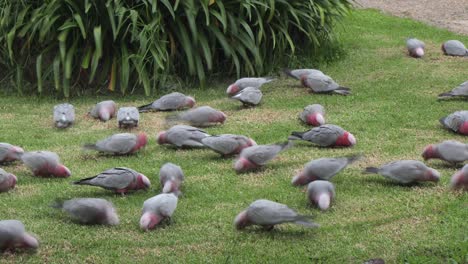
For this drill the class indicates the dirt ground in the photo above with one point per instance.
(449, 14)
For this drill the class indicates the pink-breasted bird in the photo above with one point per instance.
(13, 236)
(321, 193)
(7, 181)
(415, 47)
(120, 144)
(182, 136)
(243, 83)
(254, 157)
(169, 102)
(104, 110)
(89, 211)
(10, 153)
(228, 144)
(406, 171)
(202, 116)
(171, 177)
(45, 164)
(326, 136)
(457, 122)
(449, 150)
(156, 209)
(459, 180)
(313, 115)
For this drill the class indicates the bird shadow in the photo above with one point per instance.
(389, 183)
(452, 99)
(447, 165)
(277, 231)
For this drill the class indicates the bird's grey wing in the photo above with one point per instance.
(263, 154)
(266, 212)
(222, 145)
(119, 143)
(116, 178)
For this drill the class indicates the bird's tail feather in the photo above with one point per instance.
(355, 157)
(442, 121)
(342, 91)
(296, 135)
(371, 170)
(269, 79)
(57, 204)
(90, 147)
(83, 181)
(445, 95)
(285, 145)
(305, 221)
(288, 73)
(144, 108)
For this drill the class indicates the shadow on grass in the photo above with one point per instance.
(389, 183)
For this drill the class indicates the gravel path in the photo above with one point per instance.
(449, 14)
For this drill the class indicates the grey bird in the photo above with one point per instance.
(202, 116)
(254, 157)
(45, 164)
(13, 236)
(243, 83)
(182, 136)
(406, 171)
(89, 211)
(169, 102)
(415, 47)
(459, 180)
(64, 115)
(449, 150)
(300, 74)
(322, 169)
(119, 144)
(10, 153)
(313, 115)
(228, 144)
(156, 209)
(7, 181)
(128, 117)
(318, 82)
(104, 110)
(120, 180)
(326, 136)
(171, 177)
(457, 122)
(267, 214)
(454, 48)
(250, 96)
(461, 90)
(321, 194)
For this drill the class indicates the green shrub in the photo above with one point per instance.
(139, 43)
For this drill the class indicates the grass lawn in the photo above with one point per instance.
(393, 113)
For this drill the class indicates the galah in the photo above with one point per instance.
(128, 117)
(254, 157)
(457, 122)
(169, 102)
(7, 181)
(454, 48)
(415, 47)
(406, 171)
(321, 193)
(202, 116)
(300, 74)
(13, 236)
(104, 110)
(460, 179)
(318, 82)
(228, 144)
(313, 115)
(461, 90)
(120, 180)
(322, 169)
(243, 83)
(89, 211)
(45, 164)
(10, 153)
(326, 136)
(182, 136)
(171, 177)
(250, 96)
(156, 209)
(267, 214)
(64, 115)
(120, 144)
(449, 150)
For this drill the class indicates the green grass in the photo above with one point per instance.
(393, 113)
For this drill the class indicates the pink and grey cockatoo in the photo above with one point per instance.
(461, 90)
(313, 115)
(128, 117)
(449, 150)
(104, 110)
(228, 144)
(202, 116)
(457, 122)
(182, 136)
(321, 193)
(300, 74)
(156, 209)
(326, 136)
(13, 236)
(415, 47)
(267, 214)
(120, 180)
(319, 82)
(322, 169)
(120, 144)
(406, 171)
(7, 181)
(10, 153)
(250, 96)
(89, 211)
(45, 164)
(254, 157)
(460, 179)
(169, 102)
(454, 48)
(171, 177)
(64, 115)
(243, 83)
